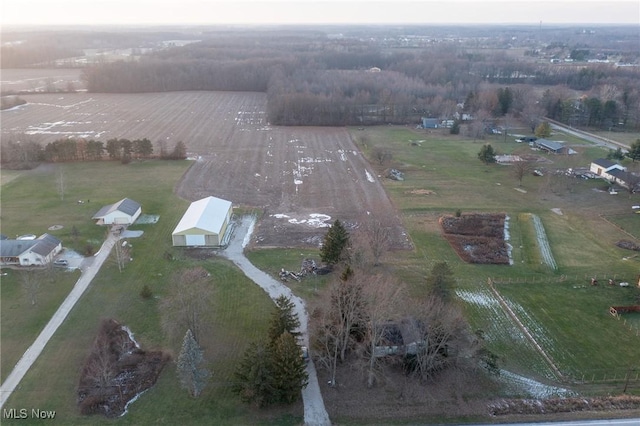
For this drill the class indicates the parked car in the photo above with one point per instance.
(61, 262)
(305, 353)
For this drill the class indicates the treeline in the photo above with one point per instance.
(25, 154)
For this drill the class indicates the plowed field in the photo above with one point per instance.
(302, 177)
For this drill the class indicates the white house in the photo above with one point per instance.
(40, 251)
(204, 223)
(607, 169)
(124, 212)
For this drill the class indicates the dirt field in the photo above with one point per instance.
(303, 178)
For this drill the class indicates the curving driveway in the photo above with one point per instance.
(315, 413)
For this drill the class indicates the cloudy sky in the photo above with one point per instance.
(96, 12)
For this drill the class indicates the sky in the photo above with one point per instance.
(177, 12)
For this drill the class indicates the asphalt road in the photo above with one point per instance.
(609, 143)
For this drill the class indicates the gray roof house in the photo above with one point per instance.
(38, 252)
(124, 212)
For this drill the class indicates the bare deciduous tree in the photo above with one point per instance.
(339, 319)
(187, 304)
(60, 182)
(384, 300)
(441, 330)
(381, 155)
(31, 279)
(372, 237)
(520, 169)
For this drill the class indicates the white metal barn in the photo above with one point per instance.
(124, 212)
(203, 224)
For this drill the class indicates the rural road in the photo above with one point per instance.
(598, 140)
(315, 413)
(90, 267)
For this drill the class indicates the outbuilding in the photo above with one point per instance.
(124, 212)
(204, 224)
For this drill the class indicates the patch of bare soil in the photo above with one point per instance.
(477, 238)
(456, 392)
(116, 371)
(564, 405)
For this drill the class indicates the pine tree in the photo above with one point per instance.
(487, 155)
(289, 370)
(253, 376)
(191, 376)
(283, 319)
(441, 281)
(335, 243)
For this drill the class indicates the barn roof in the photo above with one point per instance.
(550, 145)
(126, 206)
(207, 214)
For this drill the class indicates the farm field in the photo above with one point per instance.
(40, 79)
(302, 178)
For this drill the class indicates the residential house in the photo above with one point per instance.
(38, 252)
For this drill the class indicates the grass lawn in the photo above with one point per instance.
(20, 321)
(238, 316)
(582, 243)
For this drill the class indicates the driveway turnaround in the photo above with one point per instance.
(315, 413)
(90, 268)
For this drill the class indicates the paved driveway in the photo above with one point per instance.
(314, 409)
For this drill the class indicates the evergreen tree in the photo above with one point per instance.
(455, 129)
(634, 151)
(289, 370)
(487, 155)
(441, 281)
(335, 243)
(191, 376)
(283, 319)
(253, 376)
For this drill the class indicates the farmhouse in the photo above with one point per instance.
(204, 223)
(606, 169)
(399, 338)
(40, 251)
(124, 212)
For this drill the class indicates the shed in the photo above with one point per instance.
(550, 146)
(430, 123)
(124, 212)
(40, 251)
(203, 224)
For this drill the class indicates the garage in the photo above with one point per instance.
(204, 224)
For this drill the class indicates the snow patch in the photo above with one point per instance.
(535, 389)
(369, 177)
(247, 237)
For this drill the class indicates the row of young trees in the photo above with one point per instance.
(22, 152)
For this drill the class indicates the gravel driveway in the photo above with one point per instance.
(314, 410)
